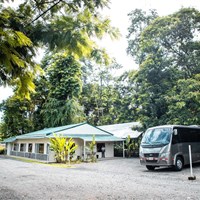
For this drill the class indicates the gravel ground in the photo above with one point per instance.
(109, 179)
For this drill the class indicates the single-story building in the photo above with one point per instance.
(36, 144)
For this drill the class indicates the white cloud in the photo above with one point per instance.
(118, 13)
(5, 92)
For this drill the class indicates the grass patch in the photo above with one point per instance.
(26, 160)
(59, 165)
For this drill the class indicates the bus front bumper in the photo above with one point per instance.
(155, 161)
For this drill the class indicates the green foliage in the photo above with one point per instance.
(129, 146)
(2, 150)
(64, 79)
(62, 147)
(64, 76)
(57, 144)
(70, 148)
(17, 117)
(91, 147)
(106, 99)
(68, 37)
(38, 99)
(16, 54)
(36, 24)
(139, 21)
(75, 33)
(21, 116)
(184, 102)
(168, 54)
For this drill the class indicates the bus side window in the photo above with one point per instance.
(175, 137)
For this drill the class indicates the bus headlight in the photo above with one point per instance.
(164, 156)
(141, 154)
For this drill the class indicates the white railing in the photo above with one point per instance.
(37, 156)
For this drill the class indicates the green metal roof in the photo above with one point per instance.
(11, 139)
(47, 131)
(84, 131)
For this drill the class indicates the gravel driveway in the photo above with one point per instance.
(108, 179)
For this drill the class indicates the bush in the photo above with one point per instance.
(2, 150)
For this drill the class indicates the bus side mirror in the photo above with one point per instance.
(175, 132)
(175, 137)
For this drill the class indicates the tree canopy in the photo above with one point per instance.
(55, 25)
(168, 55)
(79, 81)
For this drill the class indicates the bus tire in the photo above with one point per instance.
(178, 164)
(150, 167)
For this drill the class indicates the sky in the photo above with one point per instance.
(118, 14)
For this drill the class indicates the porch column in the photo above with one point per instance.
(33, 150)
(123, 150)
(84, 144)
(9, 148)
(27, 147)
(45, 148)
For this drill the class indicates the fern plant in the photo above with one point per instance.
(57, 144)
(70, 148)
(91, 148)
(130, 146)
(63, 148)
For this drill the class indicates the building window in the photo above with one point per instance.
(15, 147)
(39, 148)
(100, 147)
(22, 147)
(30, 147)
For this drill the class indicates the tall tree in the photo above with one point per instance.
(184, 102)
(16, 54)
(59, 26)
(168, 54)
(40, 23)
(106, 98)
(62, 106)
(17, 117)
(139, 21)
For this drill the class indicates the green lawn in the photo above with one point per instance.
(60, 165)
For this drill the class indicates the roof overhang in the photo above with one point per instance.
(89, 138)
(11, 139)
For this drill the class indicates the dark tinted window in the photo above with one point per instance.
(175, 139)
(30, 146)
(100, 146)
(189, 134)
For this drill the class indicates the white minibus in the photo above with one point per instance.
(168, 146)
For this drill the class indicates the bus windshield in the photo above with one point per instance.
(157, 137)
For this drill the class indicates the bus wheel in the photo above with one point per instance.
(179, 164)
(149, 167)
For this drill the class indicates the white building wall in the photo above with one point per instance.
(34, 141)
(51, 157)
(109, 149)
(79, 150)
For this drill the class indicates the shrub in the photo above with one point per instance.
(2, 150)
